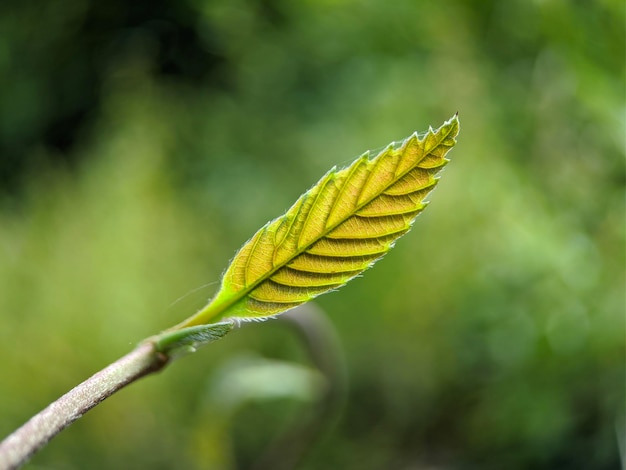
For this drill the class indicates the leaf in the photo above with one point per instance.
(334, 231)
(183, 341)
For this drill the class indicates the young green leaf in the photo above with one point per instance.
(186, 340)
(334, 231)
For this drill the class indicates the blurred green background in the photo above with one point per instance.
(141, 143)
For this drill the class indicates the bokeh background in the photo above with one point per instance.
(141, 143)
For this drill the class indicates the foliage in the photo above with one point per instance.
(336, 230)
(142, 143)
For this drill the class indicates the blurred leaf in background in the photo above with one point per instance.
(141, 143)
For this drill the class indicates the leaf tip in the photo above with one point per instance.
(453, 126)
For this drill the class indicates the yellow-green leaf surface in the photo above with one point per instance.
(334, 231)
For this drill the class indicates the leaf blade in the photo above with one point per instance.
(334, 231)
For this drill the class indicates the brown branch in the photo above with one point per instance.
(18, 447)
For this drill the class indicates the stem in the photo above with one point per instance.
(18, 447)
